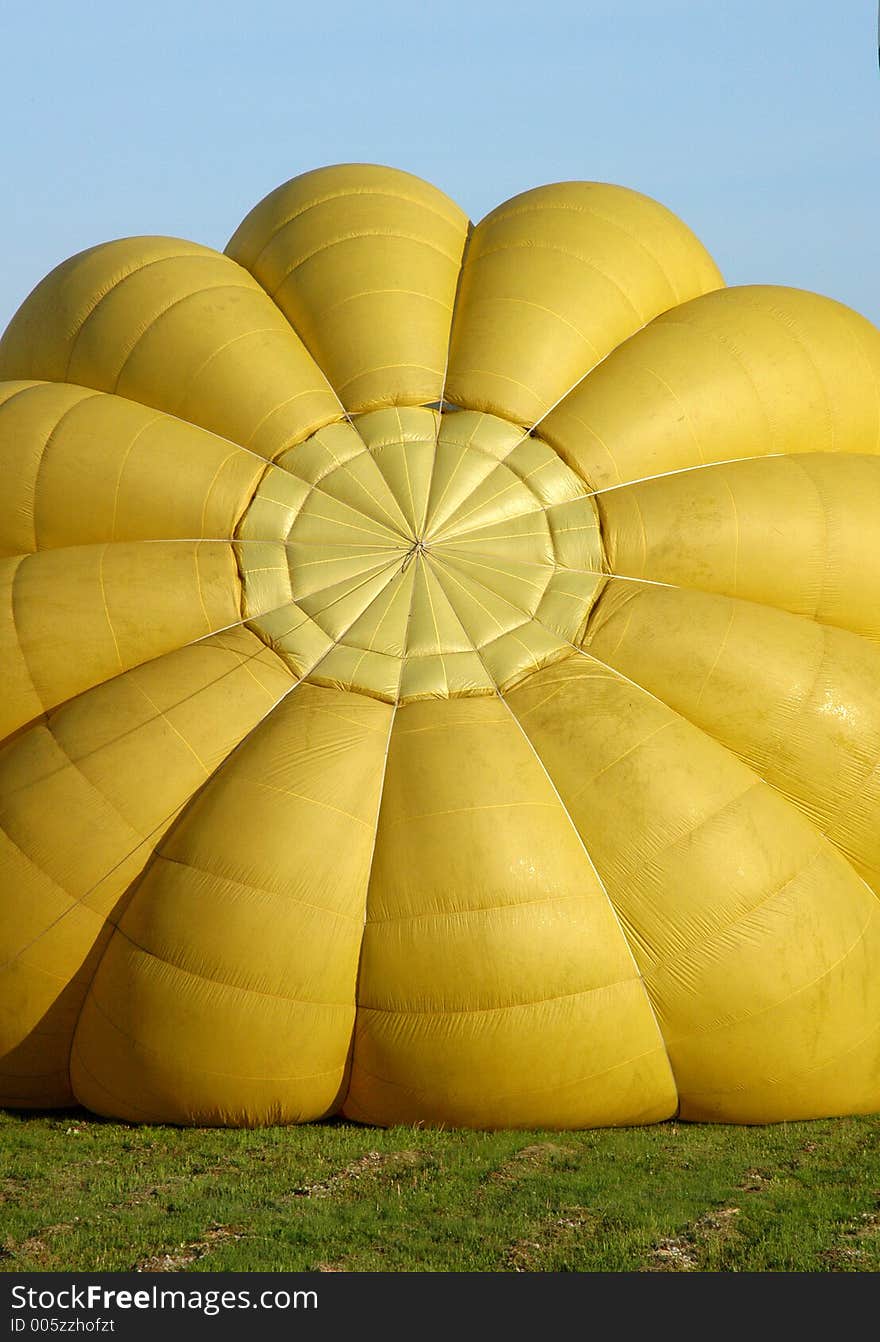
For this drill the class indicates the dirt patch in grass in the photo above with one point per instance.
(337, 1265)
(672, 1255)
(527, 1161)
(685, 1252)
(373, 1167)
(140, 1197)
(11, 1187)
(179, 1259)
(549, 1238)
(755, 1181)
(856, 1238)
(37, 1247)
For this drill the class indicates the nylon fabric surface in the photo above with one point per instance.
(441, 673)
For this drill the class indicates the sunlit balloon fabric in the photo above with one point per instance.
(441, 673)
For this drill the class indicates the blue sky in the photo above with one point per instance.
(758, 121)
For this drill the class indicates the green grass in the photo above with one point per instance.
(80, 1194)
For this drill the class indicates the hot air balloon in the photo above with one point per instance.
(441, 673)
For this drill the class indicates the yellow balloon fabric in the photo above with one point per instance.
(441, 673)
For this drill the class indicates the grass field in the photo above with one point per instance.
(81, 1194)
